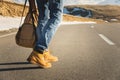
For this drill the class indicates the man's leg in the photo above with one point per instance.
(36, 57)
(56, 9)
(42, 20)
(47, 32)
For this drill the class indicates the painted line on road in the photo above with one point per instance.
(106, 39)
(7, 35)
(92, 26)
(74, 23)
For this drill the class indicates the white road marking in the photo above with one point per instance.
(7, 35)
(92, 26)
(75, 22)
(106, 39)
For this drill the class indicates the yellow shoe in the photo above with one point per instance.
(31, 59)
(37, 58)
(49, 57)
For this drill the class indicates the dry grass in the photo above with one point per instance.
(11, 9)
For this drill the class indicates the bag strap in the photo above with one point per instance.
(32, 10)
(23, 11)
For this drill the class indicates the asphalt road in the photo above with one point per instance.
(86, 52)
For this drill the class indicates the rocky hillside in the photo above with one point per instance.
(83, 2)
(13, 9)
(110, 13)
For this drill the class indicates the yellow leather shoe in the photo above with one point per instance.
(37, 58)
(32, 59)
(49, 57)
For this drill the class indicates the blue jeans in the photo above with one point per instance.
(50, 16)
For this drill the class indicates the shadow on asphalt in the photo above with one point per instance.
(18, 63)
(18, 68)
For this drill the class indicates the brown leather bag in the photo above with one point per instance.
(26, 35)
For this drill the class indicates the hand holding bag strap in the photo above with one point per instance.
(33, 6)
(33, 11)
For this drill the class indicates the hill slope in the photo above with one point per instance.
(110, 13)
(13, 9)
(83, 2)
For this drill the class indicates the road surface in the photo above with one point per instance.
(86, 52)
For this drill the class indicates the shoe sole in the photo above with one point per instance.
(35, 62)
